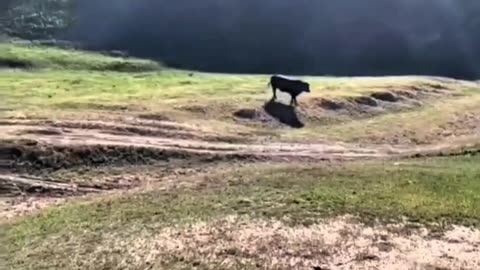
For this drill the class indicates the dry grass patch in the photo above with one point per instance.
(236, 242)
(444, 119)
(270, 217)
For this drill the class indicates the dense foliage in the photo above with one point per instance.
(345, 37)
(35, 19)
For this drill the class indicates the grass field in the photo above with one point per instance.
(75, 84)
(193, 213)
(53, 58)
(437, 192)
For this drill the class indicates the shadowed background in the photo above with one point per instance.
(314, 37)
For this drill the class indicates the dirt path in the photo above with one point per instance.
(345, 245)
(163, 136)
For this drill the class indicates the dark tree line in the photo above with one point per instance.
(35, 19)
(343, 37)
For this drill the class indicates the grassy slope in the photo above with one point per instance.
(418, 126)
(54, 58)
(94, 234)
(77, 84)
(442, 190)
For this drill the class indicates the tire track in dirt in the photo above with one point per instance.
(274, 150)
(62, 144)
(97, 133)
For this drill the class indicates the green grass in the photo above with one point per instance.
(78, 77)
(64, 89)
(437, 191)
(419, 125)
(76, 84)
(54, 58)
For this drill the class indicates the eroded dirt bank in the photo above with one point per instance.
(83, 139)
(31, 150)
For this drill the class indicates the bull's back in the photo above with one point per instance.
(285, 84)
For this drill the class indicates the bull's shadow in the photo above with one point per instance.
(285, 114)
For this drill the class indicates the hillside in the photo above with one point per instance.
(352, 109)
(122, 163)
(342, 38)
(31, 56)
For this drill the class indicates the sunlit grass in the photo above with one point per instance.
(53, 58)
(436, 192)
(77, 84)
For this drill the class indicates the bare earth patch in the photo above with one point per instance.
(11, 208)
(236, 242)
(22, 194)
(100, 139)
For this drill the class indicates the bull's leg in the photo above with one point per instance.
(294, 100)
(274, 89)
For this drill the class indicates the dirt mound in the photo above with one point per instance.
(368, 101)
(437, 86)
(140, 127)
(317, 110)
(387, 96)
(434, 87)
(254, 116)
(323, 110)
(14, 64)
(95, 147)
(31, 156)
(247, 114)
(155, 117)
(46, 131)
(408, 94)
(333, 105)
(273, 114)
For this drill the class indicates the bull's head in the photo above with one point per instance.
(306, 87)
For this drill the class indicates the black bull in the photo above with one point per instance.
(292, 86)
